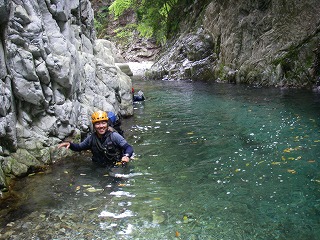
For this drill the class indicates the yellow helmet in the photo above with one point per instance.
(99, 116)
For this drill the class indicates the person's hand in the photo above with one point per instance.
(64, 144)
(125, 159)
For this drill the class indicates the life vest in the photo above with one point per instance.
(105, 153)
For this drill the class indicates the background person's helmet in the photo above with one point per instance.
(112, 117)
(99, 116)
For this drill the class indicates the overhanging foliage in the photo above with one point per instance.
(152, 15)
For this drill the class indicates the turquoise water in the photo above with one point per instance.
(213, 161)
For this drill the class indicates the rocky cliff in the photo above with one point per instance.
(54, 73)
(261, 42)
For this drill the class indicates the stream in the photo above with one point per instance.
(212, 161)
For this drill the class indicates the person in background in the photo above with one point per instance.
(137, 97)
(108, 147)
(115, 123)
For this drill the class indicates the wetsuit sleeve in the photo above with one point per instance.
(85, 145)
(128, 149)
(120, 141)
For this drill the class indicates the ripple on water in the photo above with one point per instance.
(212, 162)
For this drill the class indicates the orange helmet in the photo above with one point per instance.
(99, 116)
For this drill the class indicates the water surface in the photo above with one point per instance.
(213, 161)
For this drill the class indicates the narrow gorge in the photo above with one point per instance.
(55, 72)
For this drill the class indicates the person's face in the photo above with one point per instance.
(101, 127)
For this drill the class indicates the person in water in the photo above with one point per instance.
(108, 147)
(115, 122)
(137, 97)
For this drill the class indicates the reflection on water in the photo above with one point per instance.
(212, 162)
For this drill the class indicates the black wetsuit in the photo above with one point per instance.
(106, 151)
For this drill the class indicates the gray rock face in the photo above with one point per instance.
(54, 74)
(190, 57)
(265, 42)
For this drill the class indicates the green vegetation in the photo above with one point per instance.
(101, 22)
(118, 7)
(154, 18)
(125, 34)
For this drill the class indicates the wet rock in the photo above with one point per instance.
(15, 168)
(3, 181)
(54, 74)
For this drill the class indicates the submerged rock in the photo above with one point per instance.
(158, 217)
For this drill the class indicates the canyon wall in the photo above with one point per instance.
(259, 42)
(54, 73)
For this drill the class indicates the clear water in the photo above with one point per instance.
(213, 161)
